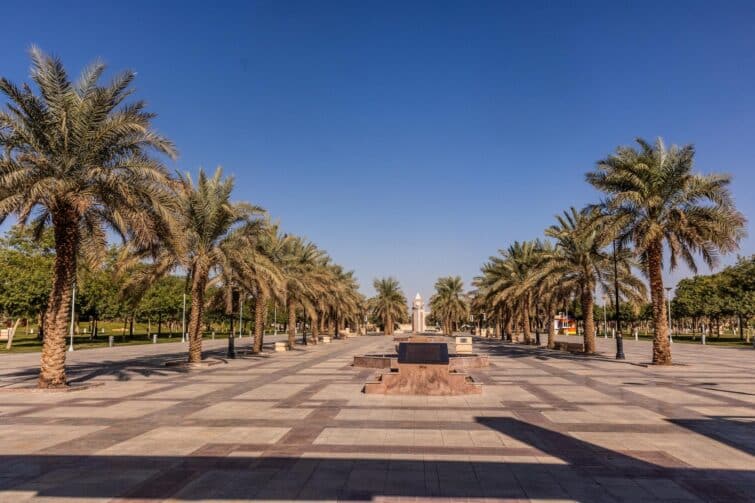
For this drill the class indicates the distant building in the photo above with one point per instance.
(418, 315)
(564, 324)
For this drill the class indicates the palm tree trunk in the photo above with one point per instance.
(661, 348)
(588, 307)
(551, 326)
(509, 327)
(315, 328)
(526, 320)
(198, 285)
(292, 324)
(388, 325)
(52, 370)
(260, 308)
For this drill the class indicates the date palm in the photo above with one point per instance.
(211, 230)
(509, 280)
(256, 255)
(449, 302)
(343, 296)
(77, 157)
(389, 302)
(656, 200)
(304, 281)
(584, 262)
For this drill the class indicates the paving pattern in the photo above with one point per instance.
(294, 426)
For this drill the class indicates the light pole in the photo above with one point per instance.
(241, 315)
(183, 321)
(231, 344)
(668, 300)
(275, 318)
(605, 317)
(619, 339)
(73, 310)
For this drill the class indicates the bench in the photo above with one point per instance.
(463, 345)
(281, 346)
(326, 339)
(571, 347)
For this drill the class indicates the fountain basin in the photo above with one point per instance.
(390, 361)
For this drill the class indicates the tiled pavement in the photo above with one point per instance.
(294, 426)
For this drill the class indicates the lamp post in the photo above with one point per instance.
(241, 315)
(275, 318)
(183, 321)
(605, 317)
(619, 339)
(668, 300)
(231, 343)
(73, 310)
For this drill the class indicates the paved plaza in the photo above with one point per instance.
(295, 426)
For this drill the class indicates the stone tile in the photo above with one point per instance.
(29, 438)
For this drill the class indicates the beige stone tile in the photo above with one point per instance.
(29, 438)
(188, 391)
(673, 395)
(12, 409)
(249, 410)
(120, 410)
(339, 392)
(183, 440)
(606, 414)
(276, 391)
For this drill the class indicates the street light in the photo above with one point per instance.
(73, 310)
(668, 299)
(231, 343)
(605, 317)
(183, 321)
(241, 315)
(619, 339)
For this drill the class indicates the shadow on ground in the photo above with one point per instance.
(588, 473)
(124, 370)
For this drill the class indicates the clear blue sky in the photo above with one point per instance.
(415, 139)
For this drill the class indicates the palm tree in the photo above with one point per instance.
(254, 254)
(389, 302)
(449, 302)
(344, 299)
(212, 232)
(656, 199)
(79, 159)
(304, 281)
(508, 281)
(581, 261)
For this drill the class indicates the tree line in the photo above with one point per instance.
(707, 302)
(81, 161)
(654, 210)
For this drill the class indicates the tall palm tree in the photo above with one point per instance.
(389, 302)
(656, 199)
(304, 281)
(508, 280)
(212, 228)
(256, 253)
(582, 261)
(79, 159)
(343, 297)
(449, 302)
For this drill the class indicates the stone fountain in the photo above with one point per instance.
(423, 368)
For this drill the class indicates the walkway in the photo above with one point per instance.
(294, 426)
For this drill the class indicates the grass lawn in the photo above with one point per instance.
(25, 342)
(726, 339)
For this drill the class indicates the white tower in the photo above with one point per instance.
(418, 315)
